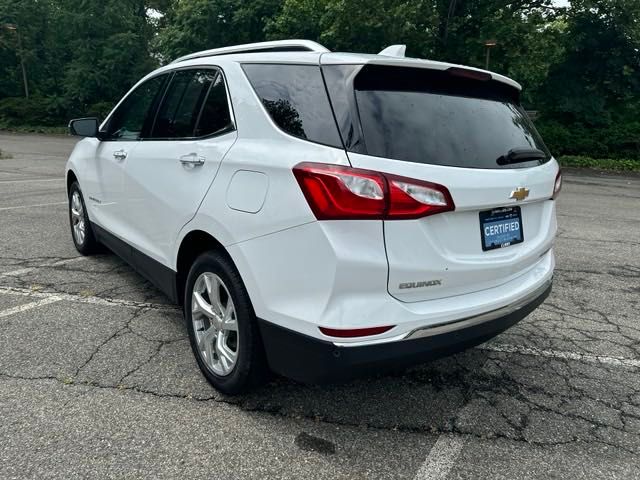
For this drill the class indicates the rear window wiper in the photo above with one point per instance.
(519, 155)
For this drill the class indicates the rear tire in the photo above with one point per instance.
(222, 326)
(81, 231)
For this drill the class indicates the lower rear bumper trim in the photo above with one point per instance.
(485, 317)
(311, 360)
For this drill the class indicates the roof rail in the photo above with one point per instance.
(275, 46)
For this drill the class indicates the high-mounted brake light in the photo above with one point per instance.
(467, 73)
(354, 332)
(336, 192)
(557, 186)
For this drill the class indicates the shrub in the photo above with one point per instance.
(100, 110)
(620, 139)
(45, 111)
(619, 164)
(38, 114)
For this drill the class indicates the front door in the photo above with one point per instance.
(121, 139)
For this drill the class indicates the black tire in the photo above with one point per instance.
(89, 244)
(250, 369)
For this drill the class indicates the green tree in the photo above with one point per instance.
(29, 18)
(450, 30)
(602, 56)
(591, 99)
(193, 25)
(108, 45)
(358, 25)
(77, 54)
(580, 67)
(526, 32)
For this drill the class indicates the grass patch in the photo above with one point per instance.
(616, 164)
(4, 155)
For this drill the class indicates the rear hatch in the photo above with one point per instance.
(464, 130)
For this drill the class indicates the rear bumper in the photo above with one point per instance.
(310, 360)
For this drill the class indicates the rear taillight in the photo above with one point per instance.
(415, 198)
(335, 192)
(340, 193)
(557, 186)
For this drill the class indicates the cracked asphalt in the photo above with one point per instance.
(97, 379)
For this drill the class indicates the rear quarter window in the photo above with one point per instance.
(215, 117)
(296, 99)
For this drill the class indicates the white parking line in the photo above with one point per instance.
(89, 299)
(32, 206)
(24, 271)
(34, 180)
(29, 306)
(441, 458)
(443, 454)
(563, 355)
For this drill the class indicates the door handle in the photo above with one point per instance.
(192, 160)
(119, 154)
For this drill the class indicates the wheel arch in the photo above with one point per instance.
(192, 245)
(71, 177)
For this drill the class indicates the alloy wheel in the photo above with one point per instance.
(77, 218)
(215, 324)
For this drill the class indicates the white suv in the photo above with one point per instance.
(322, 215)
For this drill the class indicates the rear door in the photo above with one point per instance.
(467, 132)
(173, 167)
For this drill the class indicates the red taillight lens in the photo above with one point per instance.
(335, 192)
(354, 332)
(339, 193)
(557, 186)
(410, 198)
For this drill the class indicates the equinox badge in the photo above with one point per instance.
(427, 283)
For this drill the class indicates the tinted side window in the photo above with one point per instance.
(180, 109)
(132, 120)
(215, 116)
(296, 99)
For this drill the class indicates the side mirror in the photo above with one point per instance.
(84, 127)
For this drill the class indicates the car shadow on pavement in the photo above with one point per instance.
(543, 401)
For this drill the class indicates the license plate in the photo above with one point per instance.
(501, 227)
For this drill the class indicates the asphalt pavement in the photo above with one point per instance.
(97, 379)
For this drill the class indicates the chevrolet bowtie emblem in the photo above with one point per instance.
(520, 193)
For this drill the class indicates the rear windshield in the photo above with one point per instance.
(439, 118)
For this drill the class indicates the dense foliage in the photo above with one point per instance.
(579, 66)
(620, 164)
